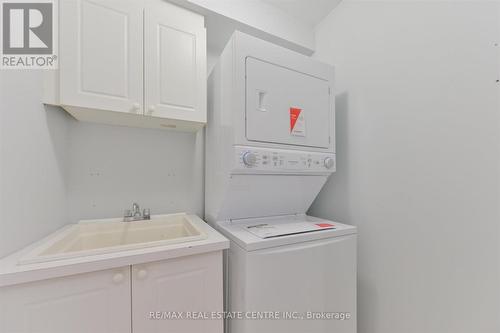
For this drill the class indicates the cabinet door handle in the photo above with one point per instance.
(151, 109)
(118, 278)
(136, 107)
(142, 274)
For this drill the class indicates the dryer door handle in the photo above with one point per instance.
(261, 100)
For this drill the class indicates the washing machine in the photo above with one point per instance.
(270, 148)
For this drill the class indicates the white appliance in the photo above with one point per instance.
(270, 149)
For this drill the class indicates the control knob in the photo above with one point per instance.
(329, 162)
(249, 159)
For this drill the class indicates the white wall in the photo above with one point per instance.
(110, 167)
(56, 170)
(33, 161)
(418, 164)
(256, 17)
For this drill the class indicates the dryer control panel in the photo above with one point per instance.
(251, 159)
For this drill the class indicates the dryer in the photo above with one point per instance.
(270, 147)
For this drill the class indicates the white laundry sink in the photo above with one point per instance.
(112, 235)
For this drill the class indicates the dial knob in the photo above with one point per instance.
(329, 162)
(249, 159)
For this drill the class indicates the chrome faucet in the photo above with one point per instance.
(135, 214)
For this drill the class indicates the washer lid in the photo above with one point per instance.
(270, 230)
(301, 228)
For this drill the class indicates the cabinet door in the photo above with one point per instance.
(185, 285)
(175, 63)
(97, 302)
(101, 54)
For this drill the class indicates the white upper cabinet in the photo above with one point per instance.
(101, 55)
(133, 63)
(175, 63)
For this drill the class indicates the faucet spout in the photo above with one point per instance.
(136, 209)
(136, 214)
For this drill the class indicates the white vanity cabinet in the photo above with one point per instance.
(191, 285)
(130, 62)
(119, 300)
(97, 302)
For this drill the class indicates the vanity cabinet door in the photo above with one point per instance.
(184, 285)
(97, 302)
(101, 64)
(175, 63)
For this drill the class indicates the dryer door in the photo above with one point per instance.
(285, 106)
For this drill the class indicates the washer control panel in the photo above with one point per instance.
(281, 160)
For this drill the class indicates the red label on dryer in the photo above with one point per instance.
(324, 225)
(294, 115)
(297, 122)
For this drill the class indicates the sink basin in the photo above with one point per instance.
(112, 235)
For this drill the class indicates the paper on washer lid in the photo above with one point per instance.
(265, 230)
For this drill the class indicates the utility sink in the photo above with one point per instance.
(112, 235)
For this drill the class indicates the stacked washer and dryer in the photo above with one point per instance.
(270, 147)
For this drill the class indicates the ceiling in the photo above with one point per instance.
(308, 11)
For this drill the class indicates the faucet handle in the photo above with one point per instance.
(127, 213)
(146, 213)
